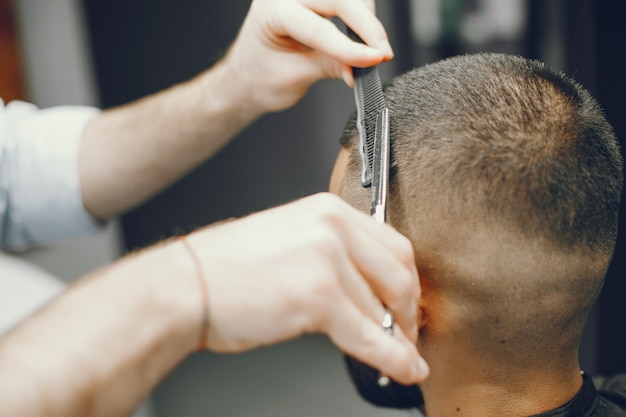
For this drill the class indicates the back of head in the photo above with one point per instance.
(508, 184)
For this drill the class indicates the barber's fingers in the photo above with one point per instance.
(385, 260)
(364, 339)
(378, 257)
(333, 7)
(360, 16)
(357, 288)
(350, 219)
(314, 31)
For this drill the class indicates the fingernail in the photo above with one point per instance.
(385, 48)
(422, 368)
(346, 74)
(419, 370)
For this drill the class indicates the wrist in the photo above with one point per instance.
(167, 284)
(111, 337)
(203, 342)
(229, 92)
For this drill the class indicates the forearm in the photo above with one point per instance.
(130, 153)
(101, 347)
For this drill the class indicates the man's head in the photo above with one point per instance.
(508, 184)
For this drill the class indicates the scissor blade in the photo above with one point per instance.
(380, 174)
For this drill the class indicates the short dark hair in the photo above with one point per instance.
(524, 141)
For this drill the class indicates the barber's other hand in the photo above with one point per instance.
(284, 46)
(315, 265)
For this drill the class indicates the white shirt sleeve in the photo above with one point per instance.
(25, 289)
(40, 198)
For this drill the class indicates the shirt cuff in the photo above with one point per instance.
(47, 201)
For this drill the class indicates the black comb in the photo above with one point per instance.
(370, 101)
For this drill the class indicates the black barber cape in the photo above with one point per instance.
(598, 397)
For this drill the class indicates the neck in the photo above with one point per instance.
(464, 389)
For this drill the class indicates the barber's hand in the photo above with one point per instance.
(286, 45)
(315, 265)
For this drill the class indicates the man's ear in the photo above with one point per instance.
(425, 301)
(421, 322)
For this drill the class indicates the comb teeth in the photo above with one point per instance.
(369, 93)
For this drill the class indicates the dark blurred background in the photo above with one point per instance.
(137, 47)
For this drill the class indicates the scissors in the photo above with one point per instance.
(375, 152)
(380, 186)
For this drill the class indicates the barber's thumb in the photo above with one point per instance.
(347, 76)
(332, 68)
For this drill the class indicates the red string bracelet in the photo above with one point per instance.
(204, 330)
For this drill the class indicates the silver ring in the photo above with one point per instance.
(387, 324)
